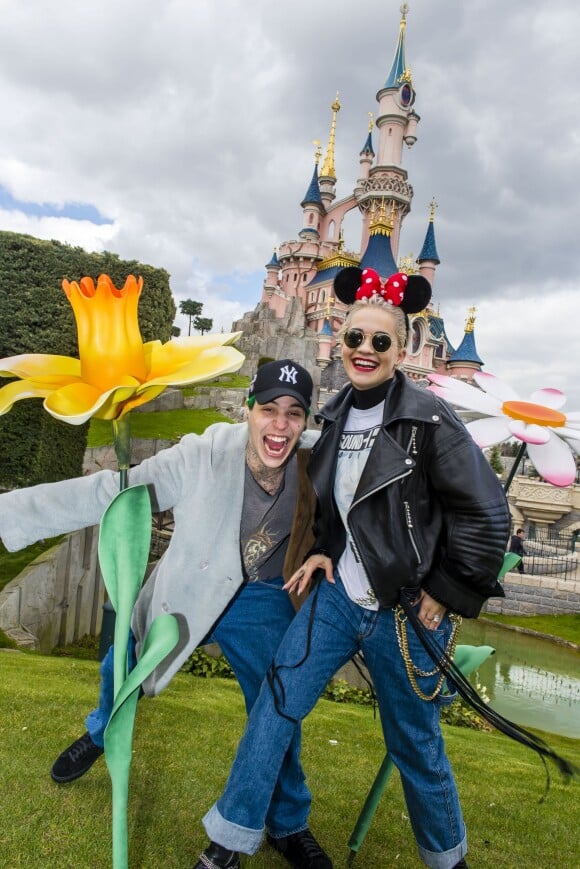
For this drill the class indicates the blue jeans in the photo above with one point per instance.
(249, 633)
(410, 725)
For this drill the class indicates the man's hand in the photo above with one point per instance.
(300, 581)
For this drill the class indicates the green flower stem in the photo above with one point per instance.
(160, 640)
(122, 444)
(124, 540)
(123, 553)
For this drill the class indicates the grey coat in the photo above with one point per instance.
(202, 480)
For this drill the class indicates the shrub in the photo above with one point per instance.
(457, 714)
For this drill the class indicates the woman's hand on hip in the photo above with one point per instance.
(300, 581)
(431, 612)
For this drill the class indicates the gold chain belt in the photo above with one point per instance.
(412, 670)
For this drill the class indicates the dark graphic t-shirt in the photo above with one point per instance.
(266, 523)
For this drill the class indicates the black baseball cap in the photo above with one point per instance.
(286, 377)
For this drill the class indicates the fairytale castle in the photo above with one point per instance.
(297, 315)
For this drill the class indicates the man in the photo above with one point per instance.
(237, 490)
(517, 546)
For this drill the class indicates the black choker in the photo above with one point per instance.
(364, 399)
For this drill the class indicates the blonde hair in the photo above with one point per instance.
(378, 302)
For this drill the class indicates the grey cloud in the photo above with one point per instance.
(190, 125)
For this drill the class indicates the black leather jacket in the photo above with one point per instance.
(428, 511)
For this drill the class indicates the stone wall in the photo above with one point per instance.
(544, 505)
(230, 402)
(266, 335)
(58, 598)
(536, 595)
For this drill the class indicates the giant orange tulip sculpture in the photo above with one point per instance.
(116, 372)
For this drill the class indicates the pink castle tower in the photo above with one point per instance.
(297, 291)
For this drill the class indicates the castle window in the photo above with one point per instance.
(304, 276)
(416, 337)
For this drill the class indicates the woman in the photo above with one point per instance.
(405, 499)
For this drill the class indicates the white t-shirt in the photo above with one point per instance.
(355, 445)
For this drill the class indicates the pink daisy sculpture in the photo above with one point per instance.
(551, 436)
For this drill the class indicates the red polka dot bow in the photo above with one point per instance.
(411, 293)
(392, 291)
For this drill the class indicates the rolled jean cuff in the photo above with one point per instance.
(444, 859)
(230, 835)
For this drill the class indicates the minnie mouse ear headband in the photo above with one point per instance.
(411, 293)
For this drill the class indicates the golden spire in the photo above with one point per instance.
(329, 304)
(406, 74)
(432, 206)
(407, 265)
(318, 152)
(470, 322)
(328, 170)
(371, 122)
(379, 223)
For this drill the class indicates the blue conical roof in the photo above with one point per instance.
(429, 249)
(398, 66)
(467, 351)
(379, 256)
(274, 262)
(312, 195)
(367, 148)
(326, 330)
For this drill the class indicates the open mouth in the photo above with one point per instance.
(364, 364)
(275, 445)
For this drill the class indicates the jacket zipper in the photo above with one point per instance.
(383, 486)
(351, 534)
(410, 526)
(412, 445)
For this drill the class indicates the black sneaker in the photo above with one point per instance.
(216, 857)
(302, 850)
(461, 865)
(76, 760)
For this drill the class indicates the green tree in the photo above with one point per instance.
(203, 324)
(495, 459)
(191, 309)
(36, 317)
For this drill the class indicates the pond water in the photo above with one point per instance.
(532, 681)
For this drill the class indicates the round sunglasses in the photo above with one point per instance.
(381, 342)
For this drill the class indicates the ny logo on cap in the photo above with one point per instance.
(288, 375)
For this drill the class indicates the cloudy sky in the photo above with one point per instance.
(179, 133)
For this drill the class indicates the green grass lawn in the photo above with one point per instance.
(184, 743)
(567, 627)
(226, 381)
(166, 425)
(12, 563)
